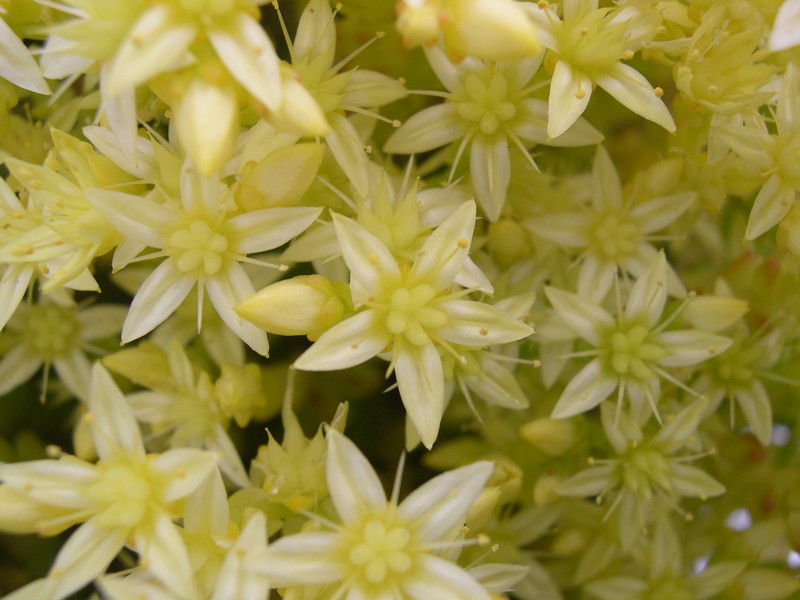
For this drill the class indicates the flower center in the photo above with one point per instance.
(410, 314)
(198, 246)
(484, 100)
(628, 352)
(124, 493)
(644, 470)
(614, 236)
(380, 550)
(51, 331)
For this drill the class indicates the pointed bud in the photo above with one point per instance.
(306, 305)
(551, 436)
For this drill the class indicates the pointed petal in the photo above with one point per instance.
(85, 556)
(570, 91)
(346, 344)
(420, 378)
(238, 577)
(649, 293)
(757, 410)
(268, 228)
(206, 511)
(532, 127)
(162, 548)
(113, 427)
(566, 229)
(185, 470)
(786, 30)
(659, 212)
(631, 89)
(316, 33)
(444, 252)
(241, 43)
(158, 297)
(16, 63)
(369, 261)
(444, 581)
(353, 484)
(583, 316)
(589, 482)
(478, 324)
(228, 289)
(138, 218)
(773, 202)
(74, 372)
(16, 367)
(155, 44)
(689, 347)
(303, 559)
(428, 129)
(585, 391)
(348, 150)
(441, 504)
(595, 278)
(490, 168)
(606, 186)
(687, 480)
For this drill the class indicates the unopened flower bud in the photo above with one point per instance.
(241, 395)
(714, 313)
(551, 436)
(480, 512)
(306, 305)
(418, 23)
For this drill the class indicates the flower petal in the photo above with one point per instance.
(773, 202)
(478, 324)
(268, 228)
(158, 297)
(631, 89)
(420, 378)
(689, 347)
(570, 91)
(241, 43)
(114, 428)
(490, 168)
(346, 344)
(302, 559)
(585, 391)
(583, 316)
(353, 484)
(441, 504)
(428, 129)
(370, 262)
(444, 581)
(228, 289)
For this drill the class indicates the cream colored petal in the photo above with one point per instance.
(228, 289)
(85, 556)
(689, 347)
(238, 577)
(16, 63)
(369, 261)
(348, 150)
(242, 44)
(631, 89)
(477, 324)
(16, 367)
(184, 470)
(773, 202)
(570, 91)
(156, 43)
(441, 504)
(161, 547)
(786, 29)
(316, 33)
(346, 344)
(138, 218)
(114, 429)
(420, 378)
(428, 129)
(581, 315)
(158, 297)
(74, 372)
(268, 228)
(657, 213)
(444, 252)
(354, 486)
(649, 294)
(585, 391)
(490, 169)
(303, 559)
(754, 402)
(444, 581)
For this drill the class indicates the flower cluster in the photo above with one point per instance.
(545, 253)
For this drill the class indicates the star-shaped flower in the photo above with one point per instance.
(383, 549)
(409, 309)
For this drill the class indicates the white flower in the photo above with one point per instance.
(382, 549)
(409, 309)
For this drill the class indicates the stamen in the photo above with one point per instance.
(342, 196)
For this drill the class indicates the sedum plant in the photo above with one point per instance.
(543, 256)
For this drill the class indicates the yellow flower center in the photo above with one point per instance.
(380, 549)
(125, 493)
(629, 352)
(410, 314)
(198, 246)
(614, 236)
(485, 100)
(51, 331)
